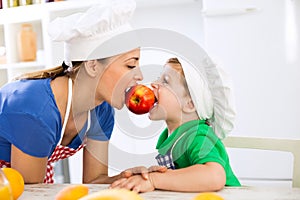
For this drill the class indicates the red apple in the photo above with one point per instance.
(139, 99)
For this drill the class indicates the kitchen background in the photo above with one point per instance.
(256, 41)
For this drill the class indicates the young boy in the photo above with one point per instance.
(189, 147)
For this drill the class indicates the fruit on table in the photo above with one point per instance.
(72, 192)
(207, 196)
(139, 99)
(15, 180)
(113, 194)
(5, 190)
(5, 193)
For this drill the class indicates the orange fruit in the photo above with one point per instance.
(5, 192)
(208, 196)
(113, 194)
(72, 192)
(15, 180)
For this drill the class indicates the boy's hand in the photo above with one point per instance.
(135, 183)
(143, 171)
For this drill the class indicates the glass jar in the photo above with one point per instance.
(26, 2)
(27, 43)
(13, 3)
(5, 190)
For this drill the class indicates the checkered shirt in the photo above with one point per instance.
(165, 160)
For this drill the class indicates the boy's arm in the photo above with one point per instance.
(197, 178)
(143, 171)
(135, 183)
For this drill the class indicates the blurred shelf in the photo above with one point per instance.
(24, 65)
(35, 12)
(155, 3)
(39, 16)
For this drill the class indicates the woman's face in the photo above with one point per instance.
(121, 72)
(169, 91)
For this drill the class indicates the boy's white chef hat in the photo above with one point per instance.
(212, 95)
(84, 33)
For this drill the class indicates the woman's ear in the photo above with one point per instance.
(91, 67)
(188, 106)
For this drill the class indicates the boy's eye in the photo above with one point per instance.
(131, 66)
(165, 80)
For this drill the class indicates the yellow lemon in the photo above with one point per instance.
(72, 192)
(15, 180)
(207, 196)
(113, 194)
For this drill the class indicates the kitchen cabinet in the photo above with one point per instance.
(38, 16)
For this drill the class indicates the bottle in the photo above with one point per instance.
(27, 43)
(26, 2)
(37, 1)
(13, 3)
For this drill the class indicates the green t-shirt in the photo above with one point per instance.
(196, 143)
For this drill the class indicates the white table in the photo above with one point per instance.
(48, 192)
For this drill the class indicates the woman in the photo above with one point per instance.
(50, 115)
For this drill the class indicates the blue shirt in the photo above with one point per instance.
(30, 120)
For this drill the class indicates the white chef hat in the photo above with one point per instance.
(212, 95)
(85, 33)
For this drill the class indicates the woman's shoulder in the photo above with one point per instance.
(104, 109)
(25, 87)
(25, 95)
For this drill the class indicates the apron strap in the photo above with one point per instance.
(68, 109)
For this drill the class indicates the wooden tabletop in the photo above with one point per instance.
(48, 192)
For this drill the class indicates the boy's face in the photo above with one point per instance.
(170, 92)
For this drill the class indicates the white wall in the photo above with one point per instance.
(133, 144)
(253, 48)
(261, 52)
(133, 141)
(258, 50)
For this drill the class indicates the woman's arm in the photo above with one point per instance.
(33, 169)
(197, 178)
(95, 162)
(143, 171)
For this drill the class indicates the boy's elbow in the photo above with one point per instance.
(217, 177)
(218, 184)
(218, 180)
(215, 183)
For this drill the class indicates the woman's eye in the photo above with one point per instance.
(131, 66)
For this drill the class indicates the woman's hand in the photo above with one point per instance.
(135, 183)
(143, 171)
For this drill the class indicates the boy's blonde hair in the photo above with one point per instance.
(175, 64)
